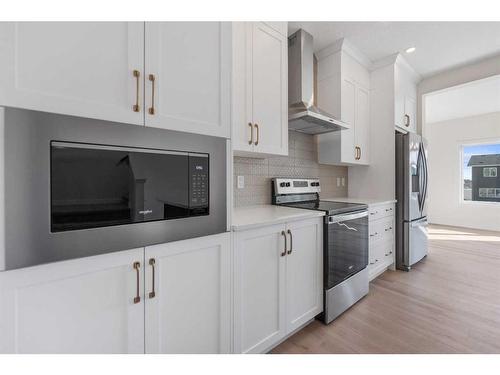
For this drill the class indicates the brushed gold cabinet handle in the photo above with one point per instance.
(136, 107)
(152, 262)
(151, 109)
(284, 250)
(359, 157)
(251, 133)
(137, 298)
(291, 241)
(407, 120)
(257, 129)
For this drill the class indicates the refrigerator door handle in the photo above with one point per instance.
(420, 177)
(426, 175)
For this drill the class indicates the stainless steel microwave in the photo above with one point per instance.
(76, 187)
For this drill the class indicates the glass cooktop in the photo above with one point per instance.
(331, 208)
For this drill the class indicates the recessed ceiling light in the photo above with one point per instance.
(410, 50)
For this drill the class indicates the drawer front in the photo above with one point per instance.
(379, 212)
(381, 256)
(382, 229)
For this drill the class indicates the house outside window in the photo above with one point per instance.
(482, 182)
(490, 172)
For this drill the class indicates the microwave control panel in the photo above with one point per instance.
(199, 184)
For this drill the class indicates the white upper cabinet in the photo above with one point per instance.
(260, 91)
(405, 96)
(188, 296)
(74, 68)
(344, 91)
(188, 76)
(90, 305)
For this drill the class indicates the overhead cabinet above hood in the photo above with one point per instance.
(303, 115)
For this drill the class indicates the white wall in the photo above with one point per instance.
(444, 202)
(472, 72)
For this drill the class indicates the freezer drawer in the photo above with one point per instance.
(415, 240)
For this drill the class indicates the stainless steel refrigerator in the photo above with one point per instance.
(411, 194)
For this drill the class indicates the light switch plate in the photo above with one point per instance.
(338, 181)
(343, 181)
(241, 182)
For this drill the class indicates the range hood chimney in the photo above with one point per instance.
(303, 115)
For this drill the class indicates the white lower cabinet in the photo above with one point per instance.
(103, 304)
(278, 282)
(188, 299)
(381, 246)
(77, 306)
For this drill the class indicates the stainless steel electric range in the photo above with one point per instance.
(345, 242)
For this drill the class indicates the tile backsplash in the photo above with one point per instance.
(302, 161)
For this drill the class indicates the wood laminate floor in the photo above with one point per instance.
(448, 303)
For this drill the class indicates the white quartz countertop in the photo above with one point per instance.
(257, 216)
(368, 201)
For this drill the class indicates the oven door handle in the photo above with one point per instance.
(338, 218)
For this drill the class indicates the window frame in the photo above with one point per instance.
(490, 169)
(460, 146)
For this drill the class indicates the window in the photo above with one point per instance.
(481, 181)
(489, 192)
(490, 172)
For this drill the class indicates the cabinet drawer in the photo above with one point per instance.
(381, 229)
(378, 212)
(381, 254)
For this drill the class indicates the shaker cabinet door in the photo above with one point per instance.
(259, 288)
(75, 68)
(188, 300)
(188, 76)
(304, 272)
(84, 305)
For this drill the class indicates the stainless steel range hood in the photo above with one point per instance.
(303, 115)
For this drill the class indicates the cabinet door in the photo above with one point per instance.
(242, 137)
(190, 311)
(304, 272)
(74, 68)
(188, 76)
(77, 306)
(259, 289)
(267, 90)
(362, 128)
(411, 113)
(348, 111)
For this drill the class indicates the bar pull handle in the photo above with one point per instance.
(152, 79)
(251, 133)
(257, 130)
(359, 155)
(374, 234)
(136, 107)
(137, 298)
(152, 262)
(284, 250)
(388, 229)
(291, 241)
(407, 120)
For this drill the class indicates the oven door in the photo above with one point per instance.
(346, 246)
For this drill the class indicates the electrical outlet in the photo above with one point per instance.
(241, 182)
(338, 181)
(343, 181)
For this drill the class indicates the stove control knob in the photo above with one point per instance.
(282, 184)
(287, 184)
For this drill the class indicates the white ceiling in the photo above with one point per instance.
(440, 45)
(467, 100)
